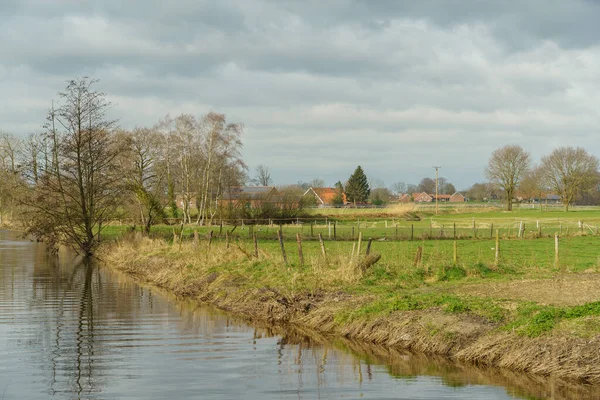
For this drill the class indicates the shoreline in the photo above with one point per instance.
(462, 336)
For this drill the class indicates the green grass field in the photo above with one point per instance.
(462, 223)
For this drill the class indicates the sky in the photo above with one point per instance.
(323, 86)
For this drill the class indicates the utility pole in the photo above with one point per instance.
(436, 189)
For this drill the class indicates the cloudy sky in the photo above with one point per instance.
(322, 86)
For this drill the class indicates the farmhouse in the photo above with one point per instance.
(457, 198)
(422, 198)
(405, 198)
(324, 196)
(441, 197)
(428, 198)
(547, 199)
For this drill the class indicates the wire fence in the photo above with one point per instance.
(379, 229)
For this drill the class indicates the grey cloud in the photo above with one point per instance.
(322, 86)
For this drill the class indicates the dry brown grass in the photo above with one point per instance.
(565, 290)
(190, 269)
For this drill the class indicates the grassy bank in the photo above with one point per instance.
(526, 313)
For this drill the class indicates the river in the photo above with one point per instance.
(70, 329)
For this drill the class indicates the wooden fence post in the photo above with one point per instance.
(497, 252)
(369, 246)
(280, 237)
(255, 245)
(196, 238)
(181, 236)
(491, 230)
(312, 224)
(359, 242)
(412, 231)
(334, 230)
(520, 229)
(556, 259)
(227, 239)
(454, 225)
(418, 256)
(300, 255)
(322, 246)
(455, 255)
(210, 238)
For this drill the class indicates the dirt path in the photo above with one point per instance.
(567, 290)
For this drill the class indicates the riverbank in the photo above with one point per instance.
(537, 321)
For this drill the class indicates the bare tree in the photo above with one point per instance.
(376, 183)
(77, 195)
(9, 151)
(426, 185)
(483, 191)
(448, 188)
(569, 171)
(221, 145)
(35, 156)
(532, 185)
(445, 186)
(165, 129)
(9, 174)
(202, 158)
(506, 168)
(398, 188)
(185, 159)
(144, 172)
(313, 183)
(412, 188)
(263, 176)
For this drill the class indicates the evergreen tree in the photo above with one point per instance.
(357, 188)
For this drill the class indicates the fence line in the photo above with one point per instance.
(388, 229)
